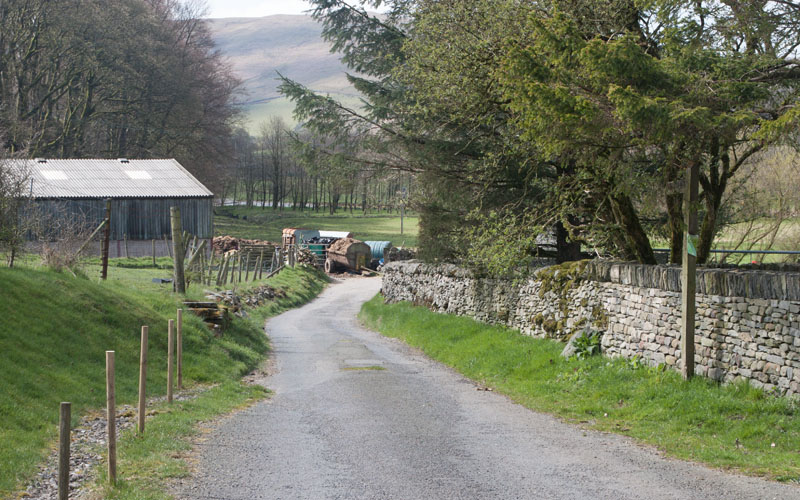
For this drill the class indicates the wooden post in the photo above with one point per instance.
(178, 249)
(226, 270)
(169, 247)
(153, 241)
(170, 354)
(239, 265)
(261, 264)
(142, 380)
(125, 238)
(247, 267)
(179, 348)
(89, 239)
(210, 267)
(187, 238)
(63, 450)
(106, 241)
(689, 272)
(111, 418)
(197, 253)
(222, 264)
(257, 270)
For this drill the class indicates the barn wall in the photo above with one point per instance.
(136, 219)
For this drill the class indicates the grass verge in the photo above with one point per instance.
(56, 328)
(731, 427)
(146, 463)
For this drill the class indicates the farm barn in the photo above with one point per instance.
(141, 194)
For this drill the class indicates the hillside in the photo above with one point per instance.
(57, 327)
(260, 47)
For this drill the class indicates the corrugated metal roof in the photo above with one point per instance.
(110, 179)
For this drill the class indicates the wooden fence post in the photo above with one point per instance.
(142, 380)
(111, 418)
(257, 269)
(178, 250)
(247, 267)
(170, 355)
(179, 348)
(106, 241)
(153, 241)
(169, 247)
(220, 270)
(210, 268)
(689, 272)
(63, 450)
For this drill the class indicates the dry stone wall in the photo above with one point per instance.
(747, 324)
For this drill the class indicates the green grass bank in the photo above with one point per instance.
(56, 328)
(268, 224)
(731, 427)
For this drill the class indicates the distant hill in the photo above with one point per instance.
(258, 47)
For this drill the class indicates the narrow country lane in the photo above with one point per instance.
(417, 430)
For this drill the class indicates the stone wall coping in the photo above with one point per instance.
(753, 284)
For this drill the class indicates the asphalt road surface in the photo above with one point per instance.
(336, 429)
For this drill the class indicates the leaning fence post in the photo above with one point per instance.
(63, 450)
(169, 247)
(142, 379)
(111, 418)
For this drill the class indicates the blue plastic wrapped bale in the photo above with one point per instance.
(378, 247)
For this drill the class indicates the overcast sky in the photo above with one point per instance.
(255, 8)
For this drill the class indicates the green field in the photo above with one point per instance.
(257, 114)
(732, 427)
(267, 224)
(57, 326)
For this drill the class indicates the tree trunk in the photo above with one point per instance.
(566, 249)
(675, 214)
(635, 237)
(708, 228)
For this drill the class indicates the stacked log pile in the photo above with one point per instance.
(221, 305)
(224, 244)
(305, 256)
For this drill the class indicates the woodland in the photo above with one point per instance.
(576, 116)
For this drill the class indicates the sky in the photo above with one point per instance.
(255, 8)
